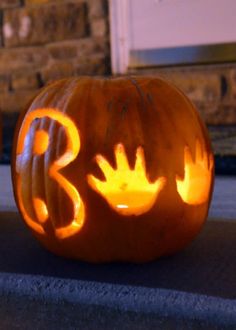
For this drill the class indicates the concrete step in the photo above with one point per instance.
(195, 288)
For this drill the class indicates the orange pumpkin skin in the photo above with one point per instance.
(136, 113)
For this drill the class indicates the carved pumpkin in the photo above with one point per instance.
(112, 169)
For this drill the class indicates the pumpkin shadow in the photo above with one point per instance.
(207, 266)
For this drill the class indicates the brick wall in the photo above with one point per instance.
(42, 40)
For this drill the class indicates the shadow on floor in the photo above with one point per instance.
(207, 266)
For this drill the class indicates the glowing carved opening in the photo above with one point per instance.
(127, 191)
(41, 141)
(194, 187)
(72, 150)
(40, 210)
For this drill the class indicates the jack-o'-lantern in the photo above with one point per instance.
(112, 169)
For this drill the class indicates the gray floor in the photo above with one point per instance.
(223, 204)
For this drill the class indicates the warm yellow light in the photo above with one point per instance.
(122, 206)
(40, 210)
(72, 150)
(127, 191)
(41, 141)
(194, 187)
